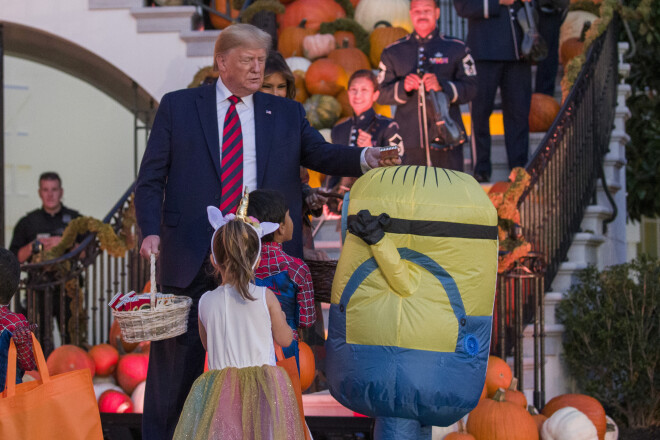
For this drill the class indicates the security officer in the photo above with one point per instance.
(495, 38)
(426, 58)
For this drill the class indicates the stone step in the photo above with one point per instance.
(164, 19)
(566, 275)
(200, 43)
(584, 247)
(114, 4)
(593, 218)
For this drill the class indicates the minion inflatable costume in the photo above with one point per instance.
(412, 299)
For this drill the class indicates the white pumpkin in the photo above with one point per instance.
(612, 432)
(395, 12)
(318, 45)
(573, 23)
(568, 423)
(138, 397)
(100, 388)
(298, 63)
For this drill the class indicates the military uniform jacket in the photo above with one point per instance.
(449, 59)
(384, 131)
(493, 32)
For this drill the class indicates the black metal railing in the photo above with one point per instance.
(81, 280)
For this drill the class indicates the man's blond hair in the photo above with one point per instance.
(240, 35)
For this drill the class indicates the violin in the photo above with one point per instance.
(533, 46)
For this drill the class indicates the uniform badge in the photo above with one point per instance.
(468, 65)
(397, 141)
(439, 59)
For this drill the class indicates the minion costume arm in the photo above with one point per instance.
(371, 230)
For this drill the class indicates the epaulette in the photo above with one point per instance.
(400, 40)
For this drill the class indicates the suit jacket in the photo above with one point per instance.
(180, 172)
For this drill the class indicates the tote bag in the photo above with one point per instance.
(289, 365)
(60, 407)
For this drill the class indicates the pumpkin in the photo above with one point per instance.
(100, 388)
(498, 375)
(395, 12)
(514, 396)
(382, 36)
(461, 434)
(589, 406)
(344, 38)
(67, 358)
(568, 423)
(115, 337)
(289, 43)
(539, 419)
(307, 365)
(298, 63)
(569, 49)
(105, 358)
(350, 58)
(322, 111)
(138, 397)
(497, 419)
(325, 77)
(315, 11)
(612, 432)
(220, 22)
(131, 370)
(143, 347)
(573, 25)
(346, 109)
(542, 112)
(318, 45)
(301, 91)
(113, 401)
(484, 392)
(384, 110)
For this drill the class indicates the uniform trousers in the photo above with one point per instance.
(174, 364)
(514, 78)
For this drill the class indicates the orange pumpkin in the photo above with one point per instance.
(484, 392)
(112, 401)
(498, 375)
(301, 91)
(514, 396)
(569, 49)
(381, 37)
(346, 109)
(350, 58)
(586, 404)
(289, 42)
(497, 419)
(542, 112)
(67, 358)
(344, 38)
(105, 358)
(461, 434)
(131, 370)
(315, 11)
(115, 336)
(325, 77)
(307, 365)
(539, 419)
(220, 22)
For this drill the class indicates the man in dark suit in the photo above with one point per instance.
(188, 165)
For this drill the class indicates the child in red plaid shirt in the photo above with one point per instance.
(288, 277)
(12, 325)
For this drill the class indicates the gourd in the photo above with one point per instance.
(220, 22)
(539, 419)
(307, 365)
(290, 41)
(612, 432)
(112, 401)
(382, 36)
(301, 91)
(67, 358)
(105, 358)
(315, 11)
(497, 419)
(350, 58)
(298, 63)
(396, 12)
(131, 370)
(568, 423)
(138, 397)
(498, 375)
(573, 24)
(117, 341)
(346, 109)
(322, 112)
(325, 77)
(589, 406)
(318, 45)
(514, 396)
(543, 110)
(461, 434)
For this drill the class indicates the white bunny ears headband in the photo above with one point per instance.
(218, 220)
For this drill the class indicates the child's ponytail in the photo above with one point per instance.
(236, 248)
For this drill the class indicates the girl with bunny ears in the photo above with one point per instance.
(244, 394)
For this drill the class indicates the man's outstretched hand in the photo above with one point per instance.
(150, 245)
(372, 156)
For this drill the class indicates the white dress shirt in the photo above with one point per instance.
(245, 110)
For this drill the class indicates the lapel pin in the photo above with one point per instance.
(268, 112)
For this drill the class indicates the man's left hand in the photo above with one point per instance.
(431, 82)
(372, 156)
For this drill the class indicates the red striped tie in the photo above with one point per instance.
(231, 165)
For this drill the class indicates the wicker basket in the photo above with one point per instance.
(323, 272)
(158, 322)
